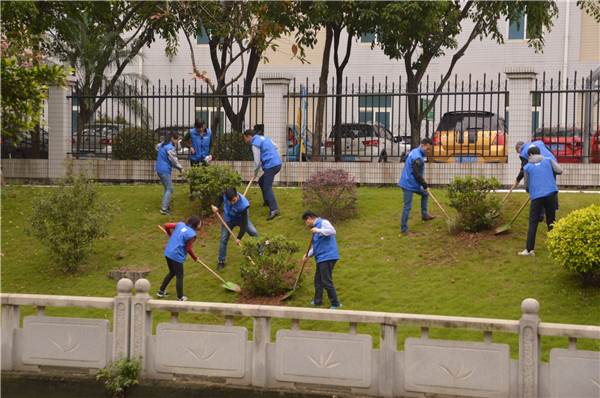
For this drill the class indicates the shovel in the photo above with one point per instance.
(231, 232)
(450, 223)
(226, 285)
(248, 186)
(506, 227)
(288, 294)
(511, 189)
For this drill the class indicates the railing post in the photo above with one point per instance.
(121, 319)
(261, 337)
(11, 317)
(520, 84)
(387, 359)
(141, 321)
(529, 349)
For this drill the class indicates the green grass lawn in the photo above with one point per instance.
(474, 275)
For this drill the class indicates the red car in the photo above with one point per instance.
(595, 148)
(565, 142)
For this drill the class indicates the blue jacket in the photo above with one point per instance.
(234, 212)
(324, 247)
(408, 179)
(268, 154)
(163, 164)
(201, 144)
(541, 179)
(545, 152)
(175, 249)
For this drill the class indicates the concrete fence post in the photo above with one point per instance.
(141, 321)
(529, 349)
(261, 337)
(59, 128)
(387, 358)
(11, 318)
(520, 84)
(121, 319)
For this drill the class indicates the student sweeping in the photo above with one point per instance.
(324, 248)
(181, 237)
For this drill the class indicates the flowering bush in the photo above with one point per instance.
(469, 196)
(574, 242)
(331, 194)
(208, 181)
(272, 258)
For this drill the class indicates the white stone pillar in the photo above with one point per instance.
(387, 359)
(59, 128)
(529, 349)
(261, 338)
(11, 319)
(121, 319)
(520, 84)
(141, 321)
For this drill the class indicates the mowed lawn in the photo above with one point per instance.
(434, 272)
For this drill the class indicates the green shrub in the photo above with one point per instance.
(121, 375)
(135, 143)
(231, 146)
(469, 196)
(208, 181)
(575, 241)
(273, 261)
(331, 194)
(71, 217)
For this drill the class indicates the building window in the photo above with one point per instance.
(375, 108)
(517, 29)
(202, 38)
(367, 38)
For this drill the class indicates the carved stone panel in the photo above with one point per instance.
(574, 373)
(201, 349)
(456, 368)
(69, 342)
(324, 358)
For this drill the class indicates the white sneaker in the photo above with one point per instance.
(184, 298)
(526, 253)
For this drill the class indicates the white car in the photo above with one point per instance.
(366, 142)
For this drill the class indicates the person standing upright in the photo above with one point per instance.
(324, 248)
(265, 155)
(540, 181)
(165, 161)
(200, 137)
(412, 181)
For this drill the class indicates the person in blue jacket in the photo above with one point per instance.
(265, 155)
(200, 147)
(165, 161)
(412, 181)
(235, 213)
(540, 182)
(182, 236)
(324, 248)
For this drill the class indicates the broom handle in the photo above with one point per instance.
(511, 189)
(440, 206)
(250, 183)
(231, 232)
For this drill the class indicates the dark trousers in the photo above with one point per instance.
(265, 182)
(175, 269)
(324, 281)
(195, 163)
(547, 204)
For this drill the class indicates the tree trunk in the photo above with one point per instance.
(320, 132)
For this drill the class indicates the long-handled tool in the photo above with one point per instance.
(288, 294)
(226, 285)
(506, 227)
(452, 224)
(250, 183)
(511, 189)
(231, 232)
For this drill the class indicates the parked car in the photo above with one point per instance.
(97, 139)
(365, 142)
(24, 149)
(293, 151)
(564, 142)
(595, 147)
(470, 136)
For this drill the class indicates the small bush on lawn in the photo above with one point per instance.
(331, 194)
(135, 143)
(208, 181)
(272, 257)
(469, 196)
(71, 217)
(575, 242)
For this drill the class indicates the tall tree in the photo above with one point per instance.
(417, 32)
(239, 32)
